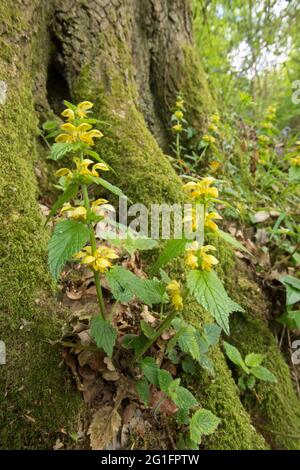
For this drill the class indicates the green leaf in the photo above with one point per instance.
(264, 374)
(254, 360)
(203, 422)
(50, 125)
(173, 248)
(294, 173)
(59, 149)
(291, 318)
(132, 244)
(232, 241)
(250, 382)
(188, 365)
(188, 342)
(207, 364)
(134, 342)
(68, 238)
(164, 379)
(110, 187)
(292, 285)
(209, 292)
(143, 390)
(235, 356)
(70, 105)
(66, 196)
(97, 157)
(150, 370)
(212, 333)
(104, 334)
(184, 399)
(147, 329)
(124, 285)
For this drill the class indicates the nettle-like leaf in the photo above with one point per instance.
(203, 422)
(235, 356)
(110, 187)
(135, 342)
(60, 149)
(68, 238)
(184, 399)
(66, 196)
(125, 285)
(104, 334)
(147, 329)
(264, 374)
(150, 370)
(292, 285)
(173, 249)
(254, 360)
(209, 292)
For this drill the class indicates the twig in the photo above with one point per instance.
(282, 336)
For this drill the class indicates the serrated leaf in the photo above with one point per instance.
(68, 238)
(184, 399)
(134, 342)
(150, 370)
(66, 196)
(212, 333)
(173, 248)
(164, 380)
(207, 364)
(203, 422)
(235, 356)
(188, 342)
(188, 365)
(104, 334)
(254, 360)
(209, 292)
(60, 149)
(292, 285)
(124, 285)
(264, 374)
(232, 241)
(143, 390)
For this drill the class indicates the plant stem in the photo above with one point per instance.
(165, 324)
(178, 146)
(94, 247)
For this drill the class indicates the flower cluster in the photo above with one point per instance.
(295, 161)
(99, 260)
(198, 257)
(82, 169)
(178, 116)
(201, 190)
(174, 290)
(80, 212)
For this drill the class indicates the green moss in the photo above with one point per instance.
(36, 398)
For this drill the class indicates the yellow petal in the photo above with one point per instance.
(84, 127)
(100, 166)
(69, 114)
(68, 127)
(99, 202)
(85, 105)
(64, 138)
(63, 172)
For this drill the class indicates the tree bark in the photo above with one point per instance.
(131, 58)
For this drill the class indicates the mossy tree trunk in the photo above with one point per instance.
(130, 57)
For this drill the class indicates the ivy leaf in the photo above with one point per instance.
(59, 149)
(254, 360)
(264, 374)
(68, 238)
(172, 249)
(66, 196)
(235, 356)
(232, 241)
(209, 292)
(150, 370)
(203, 422)
(104, 334)
(143, 390)
(124, 285)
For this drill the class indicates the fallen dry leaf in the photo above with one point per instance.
(104, 428)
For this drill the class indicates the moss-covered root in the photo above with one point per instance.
(35, 397)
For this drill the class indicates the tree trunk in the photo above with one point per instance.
(131, 58)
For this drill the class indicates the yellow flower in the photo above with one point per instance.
(177, 128)
(201, 188)
(191, 255)
(82, 108)
(76, 213)
(295, 161)
(212, 128)
(214, 165)
(267, 125)
(69, 114)
(100, 260)
(209, 139)
(173, 288)
(207, 261)
(264, 139)
(81, 132)
(82, 169)
(180, 103)
(215, 118)
(179, 115)
(209, 220)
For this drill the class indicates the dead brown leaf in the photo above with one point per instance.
(104, 428)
